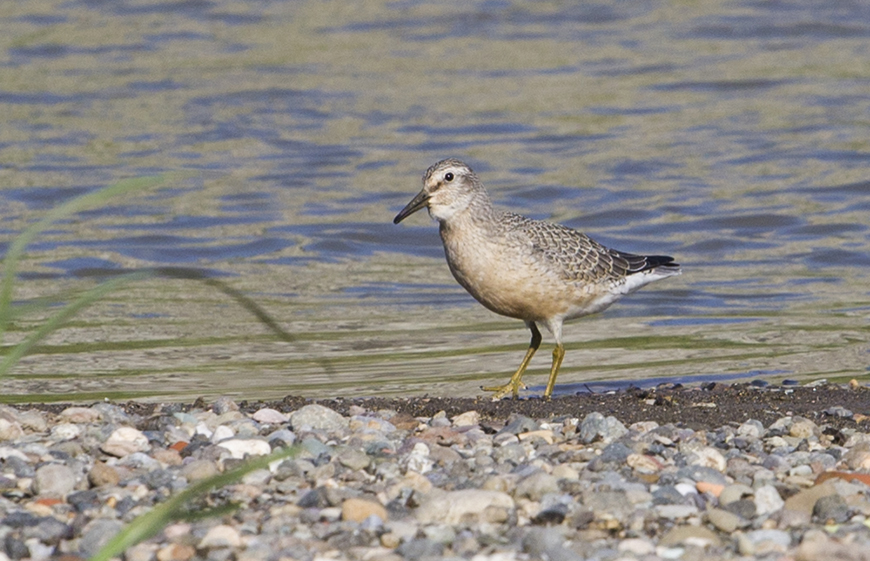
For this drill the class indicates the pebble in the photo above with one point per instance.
(102, 474)
(124, 441)
(96, 534)
(767, 500)
(357, 510)
(536, 486)
(315, 416)
(471, 505)
(467, 419)
(220, 536)
(65, 431)
(596, 426)
(270, 416)
(725, 521)
(80, 415)
(241, 447)
(698, 536)
(10, 430)
(54, 480)
(375, 484)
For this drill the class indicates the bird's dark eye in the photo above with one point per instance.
(448, 176)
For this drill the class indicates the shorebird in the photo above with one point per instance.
(539, 272)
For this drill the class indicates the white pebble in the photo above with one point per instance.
(270, 416)
(65, 431)
(124, 441)
(418, 460)
(767, 500)
(240, 447)
(221, 536)
(222, 432)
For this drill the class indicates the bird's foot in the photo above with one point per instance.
(512, 387)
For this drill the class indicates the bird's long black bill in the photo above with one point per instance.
(416, 204)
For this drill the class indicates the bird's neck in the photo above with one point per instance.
(476, 214)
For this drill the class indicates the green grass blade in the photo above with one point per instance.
(78, 204)
(153, 521)
(54, 322)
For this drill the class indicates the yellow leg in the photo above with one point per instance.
(558, 355)
(516, 384)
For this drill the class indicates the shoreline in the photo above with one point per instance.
(707, 406)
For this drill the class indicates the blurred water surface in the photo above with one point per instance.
(733, 135)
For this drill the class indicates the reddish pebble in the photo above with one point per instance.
(714, 489)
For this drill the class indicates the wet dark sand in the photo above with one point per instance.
(707, 407)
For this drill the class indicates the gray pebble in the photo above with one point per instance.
(84, 500)
(832, 508)
(596, 426)
(770, 538)
(353, 459)
(702, 473)
(535, 486)
(518, 424)
(547, 543)
(96, 534)
(54, 480)
(317, 417)
(315, 448)
(224, 405)
(49, 530)
(839, 411)
(744, 508)
(420, 548)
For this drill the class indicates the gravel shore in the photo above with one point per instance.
(720, 472)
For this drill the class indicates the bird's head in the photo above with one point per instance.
(449, 187)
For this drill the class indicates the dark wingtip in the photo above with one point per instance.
(653, 261)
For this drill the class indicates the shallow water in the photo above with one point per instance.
(731, 135)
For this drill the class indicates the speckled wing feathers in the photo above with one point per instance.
(575, 255)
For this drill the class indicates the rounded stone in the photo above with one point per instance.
(470, 505)
(10, 430)
(357, 510)
(80, 415)
(764, 542)
(723, 520)
(33, 420)
(352, 458)
(595, 426)
(102, 474)
(317, 417)
(469, 418)
(221, 535)
(767, 500)
(176, 552)
(198, 470)
(125, 441)
(535, 486)
(832, 508)
(54, 480)
(636, 546)
(97, 534)
(710, 458)
(241, 447)
(802, 428)
(270, 416)
(223, 405)
(690, 535)
(65, 431)
(735, 492)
